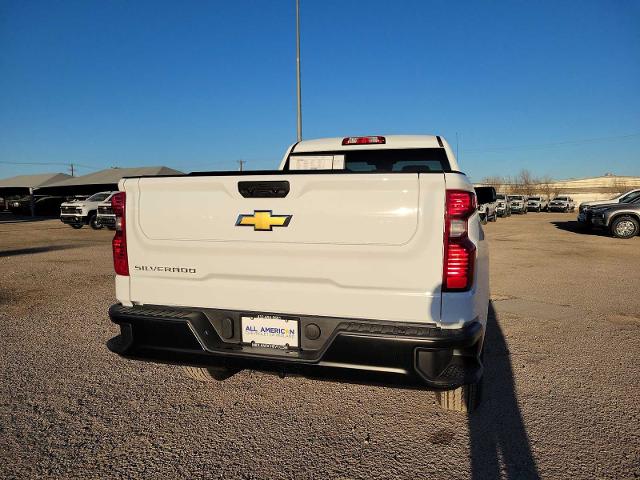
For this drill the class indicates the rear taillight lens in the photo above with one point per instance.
(119, 243)
(459, 251)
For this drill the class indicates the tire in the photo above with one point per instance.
(77, 226)
(210, 374)
(483, 219)
(94, 223)
(625, 227)
(494, 218)
(464, 399)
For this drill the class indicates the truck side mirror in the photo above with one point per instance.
(485, 194)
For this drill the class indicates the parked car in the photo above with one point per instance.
(538, 203)
(622, 220)
(213, 287)
(586, 208)
(84, 212)
(503, 209)
(517, 203)
(43, 206)
(562, 204)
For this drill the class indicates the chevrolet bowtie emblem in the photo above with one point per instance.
(263, 220)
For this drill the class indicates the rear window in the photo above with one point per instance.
(418, 160)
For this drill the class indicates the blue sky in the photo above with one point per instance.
(551, 86)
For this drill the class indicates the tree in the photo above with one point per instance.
(546, 187)
(496, 182)
(526, 182)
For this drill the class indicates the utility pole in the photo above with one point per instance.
(71, 166)
(241, 164)
(299, 92)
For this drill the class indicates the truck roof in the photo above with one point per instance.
(334, 144)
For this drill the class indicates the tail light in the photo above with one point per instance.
(459, 251)
(363, 140)
(119, 243)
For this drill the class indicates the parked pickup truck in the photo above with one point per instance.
(502, 205)
(517, 203)
(562, 204)
(84, 212)
(538, 203)
(361, 258)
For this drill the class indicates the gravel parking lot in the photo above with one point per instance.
(562, 395)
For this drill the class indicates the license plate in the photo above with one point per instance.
(274, 332)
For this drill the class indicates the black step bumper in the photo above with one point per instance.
(73, 219)
(355, 350)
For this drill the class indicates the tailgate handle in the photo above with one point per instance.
(264, 189)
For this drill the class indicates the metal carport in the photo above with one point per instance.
(27, 185)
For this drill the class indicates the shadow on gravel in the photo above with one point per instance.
(575, 227)
(499, 442)
(7, 218)
(29, 251)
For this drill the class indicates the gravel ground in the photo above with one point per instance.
(562, 395)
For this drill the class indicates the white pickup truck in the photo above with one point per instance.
(84, 212)
(361, 258)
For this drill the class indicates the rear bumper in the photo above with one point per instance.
(357, 350)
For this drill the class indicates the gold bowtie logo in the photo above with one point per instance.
(263, 220)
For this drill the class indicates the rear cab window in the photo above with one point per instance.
(410, 160)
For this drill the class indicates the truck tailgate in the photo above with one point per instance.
(345, 245)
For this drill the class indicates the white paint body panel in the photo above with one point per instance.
(358, 246)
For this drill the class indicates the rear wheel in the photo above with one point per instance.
(625, 227)
(494, 217)
(209, 374)
(462, 399)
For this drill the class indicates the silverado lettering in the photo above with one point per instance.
(150, 268)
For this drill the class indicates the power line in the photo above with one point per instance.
(555, 144)
(69, 164)
(33, 163)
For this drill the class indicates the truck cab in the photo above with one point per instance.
(361, 258)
